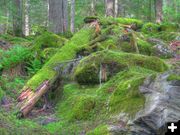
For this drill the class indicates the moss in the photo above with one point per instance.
(1, 93)
(150, 28)
(100, 130)
(11, 125)
(47, 40)
(144, 47)
(83, 107)
(169, 27)
(167, 36)
(173, 77)
(90, 19)
(130, 21)
(89, 67)
(67, 52)
(15, 40)
(124, 87)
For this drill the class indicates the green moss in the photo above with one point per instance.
(167, 36)
(1, 93)
(173, 77)
(144, 47)
(169, 27)
(83, 107)
(67, 52)
(150, 28)
(15, 40)
(130, 21)
(11, 125)
(124, 87)
(48, 39)
(88, 69)
(100, 130)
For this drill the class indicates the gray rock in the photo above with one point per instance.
(162, 106)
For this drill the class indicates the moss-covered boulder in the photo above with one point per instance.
(169, 27)
(83, 107)
(100, 130)
(150, 28)
(88, 70)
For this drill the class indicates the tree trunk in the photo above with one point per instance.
(159, 10)
(17, 18)
(56, 16)
(65, 15)
(26, 18)
(93, 5)
(4, 22)
(150, 10)
(109, 8)
(72, 15)
(116, 8)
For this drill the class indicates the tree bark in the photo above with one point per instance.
(26, 18)
(116, 8)
(72, 15)
(109, 8)
(93, 5)
(17, 18)
(56, 16)
(65, 15)
(159, 10)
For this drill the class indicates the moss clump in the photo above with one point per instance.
(100, 130)
(124, 87)
(83, 107)
(89, 67)
(173, 77)
(90, 19)
(1, 93)
(167, 36)
(67, 52)
(144, 47)
(169, 27)
(150, 28)
(130, 21)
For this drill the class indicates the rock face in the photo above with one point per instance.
(161, 49)
(162, 106)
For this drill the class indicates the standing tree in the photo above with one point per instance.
(17, 18)
(93, 5)
(116, 8)
(26, 18)
(72, 15)
(56, 16)
(159, 10)
(65, 15)
(109, 7)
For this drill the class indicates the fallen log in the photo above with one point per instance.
(28, 99)
(48, 78)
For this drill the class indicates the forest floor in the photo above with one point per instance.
(99, 90)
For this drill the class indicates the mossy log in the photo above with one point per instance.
(29, 98)
(38, 83)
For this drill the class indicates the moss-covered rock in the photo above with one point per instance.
(150, 28)
(87, 71)
(83, 107)
(100, 130)
(169, 27)
(173, 77)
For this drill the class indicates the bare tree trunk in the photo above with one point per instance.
(110, 8)
(116, 8)
(65, 15)
(56, 16)
(93, 5)
(17, 18)
(150, 10)
(26, 18)
(159, 10)
(4, 22)
(72, 15)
